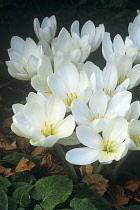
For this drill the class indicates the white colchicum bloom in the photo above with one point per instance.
(70, 48)
(133, 112)
(69, 84)
(134, 135)
(100, 109)
(105, 80)
(95, 34)
(39, 81)
(42, 121)
(111, 146)
(47, 29)
(125, 70)
(118, 46)
(24, 56)
(134, 33)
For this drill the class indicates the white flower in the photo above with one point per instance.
(47, 29)
(24, 56)
(42, 121)
(111, 146)
(118, 46)
(100, 109)
(125, 70)
(134, 135)
(68, 84)
(44, 69)
(71, 48)
(133, 112)
(105, 80)
(94, 34)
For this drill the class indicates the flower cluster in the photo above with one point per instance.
(77, 102)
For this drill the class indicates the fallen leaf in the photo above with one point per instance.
(1, 101)
(6, 127)
(6, 172)
(40, 152)
(132, 184)
(23, 144)
(51, 167)
(116, 197)
(96, 182)
(24, 165)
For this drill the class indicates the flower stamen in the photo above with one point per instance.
(70, 98)
(121, 79)
(107, 145)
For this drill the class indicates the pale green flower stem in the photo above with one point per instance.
(69, 167)
(97, 171)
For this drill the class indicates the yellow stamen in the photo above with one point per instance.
(98, 116)
(70, 97)
(107, 145)
(121, 79)
(136, 139)
(108, 92)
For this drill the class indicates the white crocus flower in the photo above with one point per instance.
(39, 81)
(47, 29)
(100, 109)
(118, 46)
(24, 56)
(105, 80)
(134, 135)
(70, 48)
(42, 121)
(125, 70)
(133, 112)
(95, 33)
(111, 146)
(68, 84)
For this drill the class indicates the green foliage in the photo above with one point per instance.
(135, 207)
(84, 204)
(3, 200)
(82, 191)
(37, 207)
(4, 182)
(21, 195)
(23, 177)
(16, 157)
(51, 191)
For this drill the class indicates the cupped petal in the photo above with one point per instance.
(116, 130)
(45, 142)
(118, 45)
(98, 104)
(133, 112)
(66, 127)
(107, 49)
(17, 44)
(98, 124)
(40, 84)
(82, 156)
(55, 110)
(17, 108)
(81, 112)
(75, 28)
(18, 132)
(88, 137)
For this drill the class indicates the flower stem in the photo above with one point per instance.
(83, 171)
(69, 167)
(97, 171)
(119, 164)
(110, 172)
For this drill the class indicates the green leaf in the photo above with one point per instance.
(16, 157)
(135, 207)
(81, 190)
(82, 203)
(21, 195)
(51, 190)
(3, 200)
(12, 205)
(37, 207)
(23, 177)
(4, 182)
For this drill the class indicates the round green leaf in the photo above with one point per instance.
(4, 182)
(51, 190)
(84, 204)
(3, 200)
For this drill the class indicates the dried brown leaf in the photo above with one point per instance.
(6, 126)
(51, 167)
(40, 152)
(132, 184)
(6, 172)
(24, 165)
(96, 182)
(116, 196)
(22, 144)
(89, 169)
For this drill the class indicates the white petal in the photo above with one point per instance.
(118, 45)
(106, 45)
(46, 142)
(17, 108)
(82, 156)
(70, 140)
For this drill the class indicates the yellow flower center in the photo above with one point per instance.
(121, 79)
(48, 130)
(69, 98)
(107, 145)
(108, 92)
(136, 139)
(97, 116)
